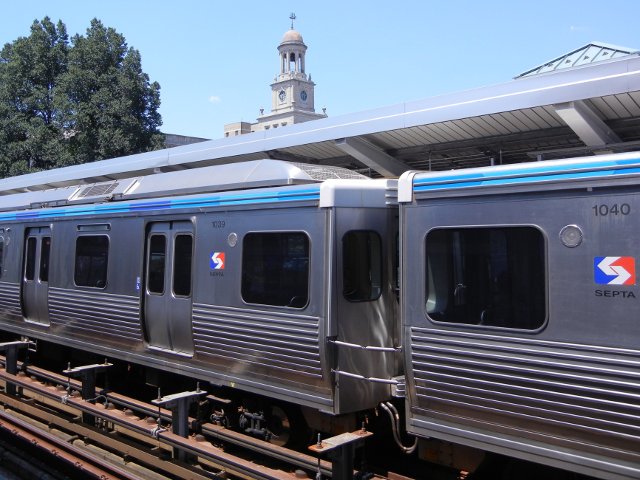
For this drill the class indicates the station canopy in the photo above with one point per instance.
(586, 102)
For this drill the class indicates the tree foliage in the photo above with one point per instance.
(63, 103)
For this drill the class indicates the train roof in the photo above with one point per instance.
(218, 178)
(558, 174)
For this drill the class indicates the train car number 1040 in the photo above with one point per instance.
(614, 209)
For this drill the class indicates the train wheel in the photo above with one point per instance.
(279, 424)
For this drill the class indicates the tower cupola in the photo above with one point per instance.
(292, 50)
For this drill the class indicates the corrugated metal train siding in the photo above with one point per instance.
(287, 342)
(93, 312)
(529, 385)
(10, 298)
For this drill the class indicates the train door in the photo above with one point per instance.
(35, 278)
(168, 301)
(365, 306)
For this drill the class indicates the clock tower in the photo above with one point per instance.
(292, 91)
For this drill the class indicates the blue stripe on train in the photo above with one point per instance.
(527, 175)
(297, 195)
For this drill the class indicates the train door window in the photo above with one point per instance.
(30, 264)
(361, 266)
(275, 269)
(1, 255)
(486, 276)
(45, 251)
(396, 266)
(92, 258)
(183, 251)
(156, 264)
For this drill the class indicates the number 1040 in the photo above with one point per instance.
(614, 209)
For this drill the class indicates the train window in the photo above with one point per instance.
(157, 257)
(275, 269)
(1, 254)
(361, 266)
(30, 263)
(45, 251)
(183, 252)
(486, 276)
(92, 256)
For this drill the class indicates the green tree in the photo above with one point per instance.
(110, 107)
(30, 135)
(65, 103)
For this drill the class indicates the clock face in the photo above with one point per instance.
(303, 96)
(282, 95)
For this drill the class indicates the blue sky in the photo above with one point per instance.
(215, 60)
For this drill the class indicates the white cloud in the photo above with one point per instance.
(215, 99)
(577, 28)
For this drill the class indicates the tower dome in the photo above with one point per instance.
(292, 36)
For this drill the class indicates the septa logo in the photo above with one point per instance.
(614, 270)
(216, 261)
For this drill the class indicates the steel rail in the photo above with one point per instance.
(289, 456)
(75, 457)
(151, 430)
(133, 450)
(115, 398)
(198, 447)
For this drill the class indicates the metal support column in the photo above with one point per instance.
(179, 404)
(341, 449)
(11, 360)
(87, 375)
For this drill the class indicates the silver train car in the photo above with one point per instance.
(264, 276)
(502, 300)
(519, 306)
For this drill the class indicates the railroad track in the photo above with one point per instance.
(68, 456)
(129, 439)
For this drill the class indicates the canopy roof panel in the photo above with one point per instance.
(590, 53)
(592, 108)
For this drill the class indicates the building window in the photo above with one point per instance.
(275, 269)
(182, 256)
(92, 256)
(486, 276)
(361, 266)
